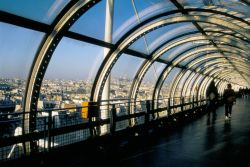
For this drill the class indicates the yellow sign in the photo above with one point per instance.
(85, 109)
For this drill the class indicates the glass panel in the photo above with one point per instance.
(70, 74)
(221, 5)
(176, 51)
(189, 91)
(18, 48)
(92, 23)
(191, 58)
(122, 75)
(40, 10)
(165, 90)
(141, 45)
(157, 37)
(199, 3)
(149, 8)
(147, 85)
(234, 5)
(185, 81)
(202, 64)
(211, 27)
(125, 16)
(161, 35)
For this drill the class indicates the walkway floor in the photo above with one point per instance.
(206, 142)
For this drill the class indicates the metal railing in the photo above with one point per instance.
(60, 127)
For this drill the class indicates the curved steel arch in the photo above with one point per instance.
(223, 87)
(44, 53)
(68, 18)
(186, 85)
(164, 48)
(222, 80)
(218, 85)
(192, 76)
(217, 73)
(200, 56)
(215, 56)
(174, 90)
(194, 62)
(194, 85)
(224, 75)
(47, 48)
(227, 73)
(204, 86)
(63, 21)
(220, 65)
(244, 70)
(168, 68)
(147, 63)
(217, 62)
(131, 36)
(201, 59)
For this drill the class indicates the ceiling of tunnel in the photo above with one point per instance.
(151, 46)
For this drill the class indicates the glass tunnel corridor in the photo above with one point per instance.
(108, 78)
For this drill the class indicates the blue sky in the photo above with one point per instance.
(72, 59)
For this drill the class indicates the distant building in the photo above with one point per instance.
(5, 87)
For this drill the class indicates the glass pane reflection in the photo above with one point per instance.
(18, 49)
(71, 72)
(40, 10)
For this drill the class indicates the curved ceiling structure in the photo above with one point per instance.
(205, 39)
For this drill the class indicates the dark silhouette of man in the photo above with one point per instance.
(212, 95)
(229, 99)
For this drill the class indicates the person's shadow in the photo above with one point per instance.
(211, 118)
(210, 140)
(227, 126)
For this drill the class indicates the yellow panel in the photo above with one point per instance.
(85, 109)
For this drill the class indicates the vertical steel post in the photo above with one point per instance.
(107, 38)
(49, 129)
(113, 119)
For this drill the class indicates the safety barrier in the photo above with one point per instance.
(59, 127)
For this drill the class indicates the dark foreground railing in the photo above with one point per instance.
(59, 127)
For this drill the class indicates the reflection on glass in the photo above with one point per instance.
(92, 23)
(41, 10)
(122, 76)
(130, 14)
(161, 35)
(147, 85)
(170, 32)
(124, 18)
(70, 74)
(176, 51)
(165, 90)
(18, 49)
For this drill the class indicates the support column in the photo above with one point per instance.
(107, 38)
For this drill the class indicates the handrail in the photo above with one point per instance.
(51, 127)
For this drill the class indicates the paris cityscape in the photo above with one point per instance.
(56, 93)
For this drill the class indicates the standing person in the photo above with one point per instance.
(229, 99)
(212, 95)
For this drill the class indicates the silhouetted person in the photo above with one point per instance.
(229, 99)
(212, 95)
